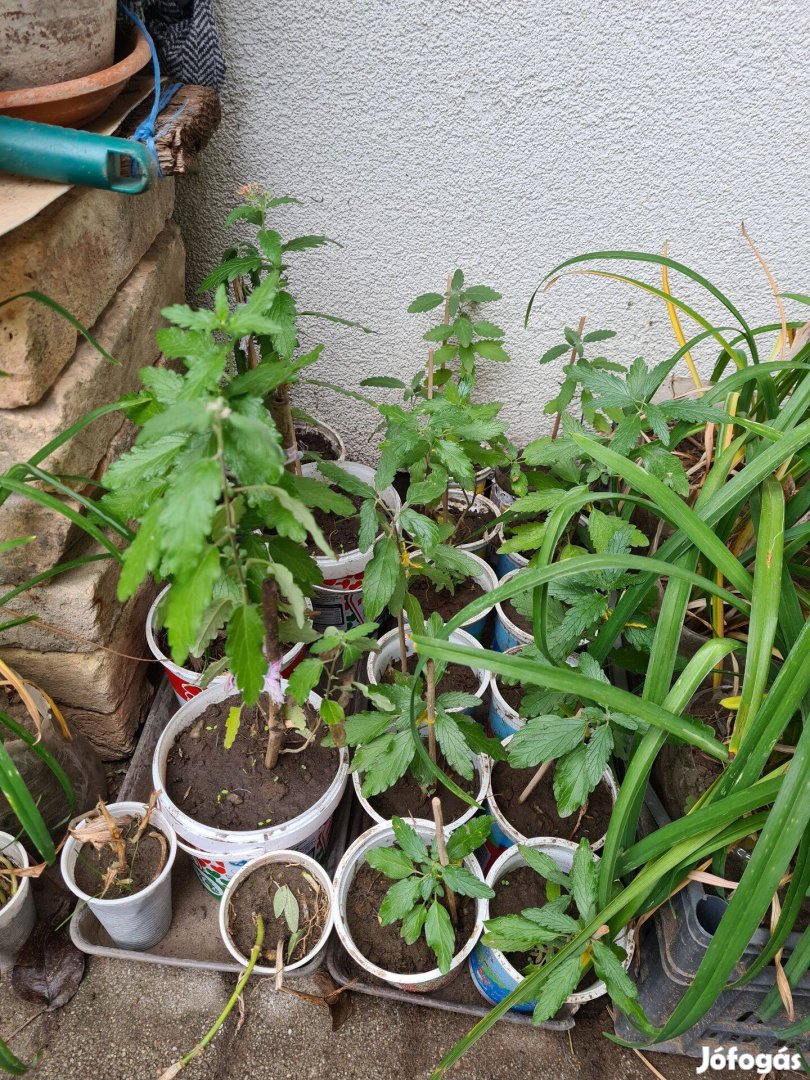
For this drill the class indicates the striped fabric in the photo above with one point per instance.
(187, 40)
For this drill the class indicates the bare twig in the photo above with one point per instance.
(449, 895)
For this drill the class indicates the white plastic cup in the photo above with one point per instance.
(308, 832)
(17, 917)
(488, 580)
(338, 602)
(184, 681)
(508, 635)
(503, 833)
(383, 836)
(329, 433)
(491, 971)
(138, 921)
(312, 960)
(388, 654)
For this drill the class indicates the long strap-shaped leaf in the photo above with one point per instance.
(765, 601)
(770, 858)
(25, 809)
(10, 1063)
(569, 681)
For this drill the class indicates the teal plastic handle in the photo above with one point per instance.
(69, 156)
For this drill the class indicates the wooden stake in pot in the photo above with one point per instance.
(403, 648)
(441, 847)
(275, 728)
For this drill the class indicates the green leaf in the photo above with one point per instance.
(453, 746)
(463, 331)
(400, 899)
(559, 985)
(413, 922)
(302, 243)
(304, 678)
(385, 381)
(440, 936)
(381, 576)
(143, 554)
(383, 761)
(554, 353)
(369, 525)
(584, 877)
(423, 529)
(552, 918)
(456, 462)
(390, 861)
(429, 489)
(244, 647)
(186, 515)
(544, 738)
(346, 481)
(602, 528)
(409, 840)
(188, 600)
(480, 294)
(19, 798)
(468, 837)
(487, 329)
(232, 726)
(445, 353)
(425, 302)
(544, 865)
(439, 333)
(332, 712)
(515, 933)
(491, 350)
(462, 881)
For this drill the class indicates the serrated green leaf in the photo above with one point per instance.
(304, 678)
(468, 837)
(390, 861)
(584, 880)
(559, 985)
(544, 865)
(409, 840)
(188, 600)
(480, 294)
(465, 883)
(440, 936)
(400, 899)
(425, 302)
(244, 646)
(452, 745)
(491, 350)
(515, 933)
(414, 921)
(381, 576)
(544, 738)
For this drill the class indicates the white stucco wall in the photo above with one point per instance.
(504, 136)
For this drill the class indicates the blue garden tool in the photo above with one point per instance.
(69, 156)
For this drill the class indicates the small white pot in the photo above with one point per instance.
(308, 832)
(504, 834)
(491, 538)
(378, 662)
(18, 916)
(508, 635)
(141, 920)
(338, 602)
(312, 961)
(488, 580)
(328, 432)
(383, 836)
(493, 974)
(184, 681)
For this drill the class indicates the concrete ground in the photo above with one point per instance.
(129, 1021)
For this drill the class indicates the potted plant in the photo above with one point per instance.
(542, 893)
(118, 860)
(428, 883)
(17, 911)
(292, 894)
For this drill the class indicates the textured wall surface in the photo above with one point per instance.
(505, 136)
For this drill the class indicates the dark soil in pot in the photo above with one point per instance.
(518, 889)
(144, 858)
(512, 693)
(682, 773)
(470, 525)
(406, 798)
(231, 789)
(512, 613)
(342, 533)
(311, 441)
(383, 945)
(538, 815)
(444, 602)
(456, 677)
(255, 896)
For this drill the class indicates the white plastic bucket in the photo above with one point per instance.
(388, 655)
(186, 683)
(338, 602)
(491, 538)
(328, 432)
(488, 580)
(383, 836)
(312, 960)
(494, 976)
(141, 920)
(503, 719)
(18, 916)
(508, 635)
(308, 832)
(502, 498)
(503, 833)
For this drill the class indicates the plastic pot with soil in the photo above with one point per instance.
(524, 807)
(118, 860)
(17, 911)
(506, 699)
(448, 604)
(185, 681)
(293, 895)
(316, 439)
(474, 518)
(518, 887)
(227, 802)
(513, 627)
(338, 602)
(378, 946)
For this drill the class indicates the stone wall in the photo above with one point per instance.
(114, 262)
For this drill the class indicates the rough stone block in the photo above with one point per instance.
(126, 329)
(77, 251)
(113, 733)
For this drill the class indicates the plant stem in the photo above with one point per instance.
(430, 678)
(535, 780)
(555, 431)
(279, 979)
(275, 731)
(403, 649)
(449, 895)
(178, 1066)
